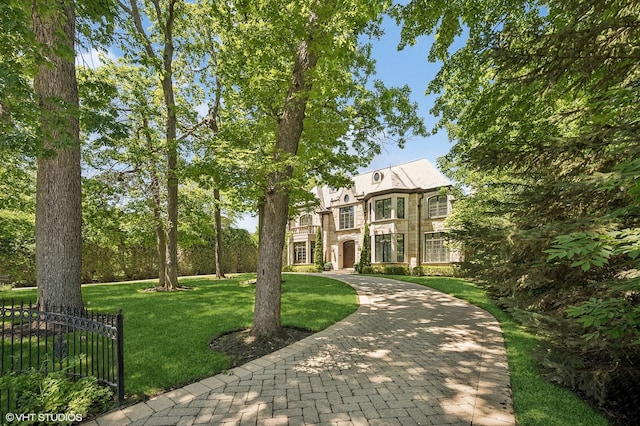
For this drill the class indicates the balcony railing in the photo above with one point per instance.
(307, 230)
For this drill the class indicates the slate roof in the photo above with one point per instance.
(407, 177)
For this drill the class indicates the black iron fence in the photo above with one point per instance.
(80, 342)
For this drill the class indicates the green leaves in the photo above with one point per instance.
(593, 249)
(614, 318)
(590, 249)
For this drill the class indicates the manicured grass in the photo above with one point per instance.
(166, 335)
(536, 401)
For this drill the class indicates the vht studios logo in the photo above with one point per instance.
(43, 417)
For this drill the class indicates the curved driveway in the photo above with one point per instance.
(408, 355)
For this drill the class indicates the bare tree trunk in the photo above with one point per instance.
(218, 220)
(171, 270)
(58, 187)
(161, 236)
(275, 210)
(172, 156)
(172, 218)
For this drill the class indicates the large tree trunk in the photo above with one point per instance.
(172, 155)
(275, 208)
(218, 220)
(58, 187)
(172, 214)
(161, 236)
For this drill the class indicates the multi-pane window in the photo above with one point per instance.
(383, 209)
(438, 206)
(435, 250)
(300, 252)
(346, 217)
(383, 248)
(400, 248)
(306, 220)
(400, 208)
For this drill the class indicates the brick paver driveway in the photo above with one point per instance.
(409, 355)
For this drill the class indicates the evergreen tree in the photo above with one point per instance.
(318, 252)
(365, 253)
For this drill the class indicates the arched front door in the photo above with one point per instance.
(348, 254)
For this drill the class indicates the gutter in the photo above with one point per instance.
(420, 198)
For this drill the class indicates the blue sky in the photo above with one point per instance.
(397, 68)
(409, 66)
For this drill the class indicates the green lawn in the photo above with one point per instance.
(166, 335)
(536, 401)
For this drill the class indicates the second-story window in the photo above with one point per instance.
(438, 206)
(400, 208)
(383, 209)
(306, 220)
(346, 217)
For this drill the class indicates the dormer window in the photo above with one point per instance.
(377, 177)
(346, 198)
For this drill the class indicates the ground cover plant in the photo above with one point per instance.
(536, 401)
(167, 334)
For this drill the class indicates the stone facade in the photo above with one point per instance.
(405, 207)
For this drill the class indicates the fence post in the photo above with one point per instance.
(120, 355)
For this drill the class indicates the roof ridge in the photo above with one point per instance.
(392, 166)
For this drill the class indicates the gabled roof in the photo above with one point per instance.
(408, 177)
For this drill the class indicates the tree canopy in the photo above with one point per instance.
(542, 103)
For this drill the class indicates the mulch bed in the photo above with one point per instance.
(241, 347)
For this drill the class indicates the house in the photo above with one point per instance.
(404, 205)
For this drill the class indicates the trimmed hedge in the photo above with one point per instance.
(434, 271)
(301, 268)
(422, 271)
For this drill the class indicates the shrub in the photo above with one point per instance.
(396, 270)
(54, 393)
(434, 271)
(300, 268)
